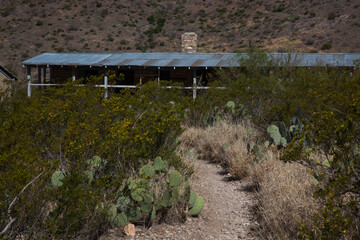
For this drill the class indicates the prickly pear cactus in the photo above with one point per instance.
(131, 183)
(141, 198)
(147, 171)
(90, 175)
(134, 213)
(198, 206)
(175, 179)
(95, 162)
(258, 152)
(326, 164)
(122, 202)
(283, 142)
(147, 205)
(273, 130)
(160, 165)
(120, 220)
(138, 194)
(231, 105)
(57, 177)
(112, 212)
(282, 128)
(165, 200)
(192, 199)
(175, 194)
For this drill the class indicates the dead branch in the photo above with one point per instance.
(13, 202)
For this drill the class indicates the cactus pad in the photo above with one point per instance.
(283, 142)
(147, 205)
(160, 165)
(137, 194)
(230, 104)
(192, 199)
(121, 220)
(147, 171)
(112, 212)
(95, 162)
(122, 203)
(273, 130)
(165, 200)
(134, 214)
(57, 177)
(326, 164)
(175, 179)
(198, 206)
(90, 175)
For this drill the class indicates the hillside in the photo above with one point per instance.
(29, 27)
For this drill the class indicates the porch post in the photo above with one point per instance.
(29, 81)
(44, 75)
(73, 74)
(51, 74)
(158, 78)
(194, 84)
(140, 81)
(39, 75)
(106, 95)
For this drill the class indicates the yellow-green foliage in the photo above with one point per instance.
(61, 129)
(327, 101)
(333, 129)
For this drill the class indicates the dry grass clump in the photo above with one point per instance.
(285, 197)
(284, 189)
(223, 143)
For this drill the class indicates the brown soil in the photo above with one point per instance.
(226, 214)
(30, 27)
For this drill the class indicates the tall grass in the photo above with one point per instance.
(223, 143)
(284, 190)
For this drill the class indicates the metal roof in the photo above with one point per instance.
(174, 59)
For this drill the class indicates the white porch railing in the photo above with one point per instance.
(194, 88)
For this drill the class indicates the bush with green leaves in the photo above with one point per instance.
(333, 130)
(55, 135)
(327, 101)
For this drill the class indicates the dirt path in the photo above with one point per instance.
(226, 214)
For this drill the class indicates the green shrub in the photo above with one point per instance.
(60, 129)
(333, 130)
(327, 101)
(326, 46)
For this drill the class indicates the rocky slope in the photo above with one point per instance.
(29, 27)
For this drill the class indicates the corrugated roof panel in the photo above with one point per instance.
(150, 62)
(197, 63)
(138, 62)
(187, 59)
(217, 56)
(163, 62)
(185, 62)
(120, 62)
(173, 63)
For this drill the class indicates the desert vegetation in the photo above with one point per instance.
(74, 164)
(293, 133)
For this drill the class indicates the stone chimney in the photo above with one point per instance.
(189, 42)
